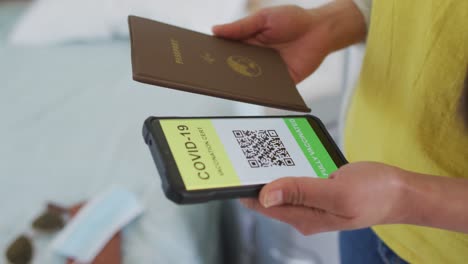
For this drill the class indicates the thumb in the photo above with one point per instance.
(241, 29)
(302, 191)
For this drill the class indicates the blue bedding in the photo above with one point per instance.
(71, 127)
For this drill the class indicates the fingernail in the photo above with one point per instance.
(273, 198)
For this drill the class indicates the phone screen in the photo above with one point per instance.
(228, 152)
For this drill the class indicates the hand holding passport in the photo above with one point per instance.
(181, 59)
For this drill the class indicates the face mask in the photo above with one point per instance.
(96, 223)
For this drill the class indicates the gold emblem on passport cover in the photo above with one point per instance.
(244, 66)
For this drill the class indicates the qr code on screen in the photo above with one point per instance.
(263, 148)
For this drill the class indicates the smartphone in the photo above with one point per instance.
(208, 158)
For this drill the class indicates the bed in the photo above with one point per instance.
(71, 127)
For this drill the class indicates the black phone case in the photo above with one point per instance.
(172, 184)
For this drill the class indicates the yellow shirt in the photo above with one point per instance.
(404, 111)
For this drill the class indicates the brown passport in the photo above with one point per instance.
(181, 59)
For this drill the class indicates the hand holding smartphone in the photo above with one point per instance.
(207, 158)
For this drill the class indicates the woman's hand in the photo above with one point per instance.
(302, 37)
(357, 195)
(295, 33)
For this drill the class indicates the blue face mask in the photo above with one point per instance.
(96, 223)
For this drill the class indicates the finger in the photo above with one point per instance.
(254, 41)
(306, 220)
(241, 29)
(304, 191)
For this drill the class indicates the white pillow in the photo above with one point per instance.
(58, 21)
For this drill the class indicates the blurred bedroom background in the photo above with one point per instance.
(71, 128)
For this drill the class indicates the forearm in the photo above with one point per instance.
(343, 22)
(439, 202)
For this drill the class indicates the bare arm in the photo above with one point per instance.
(439, 202)
(345, 23)
(364, 194)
